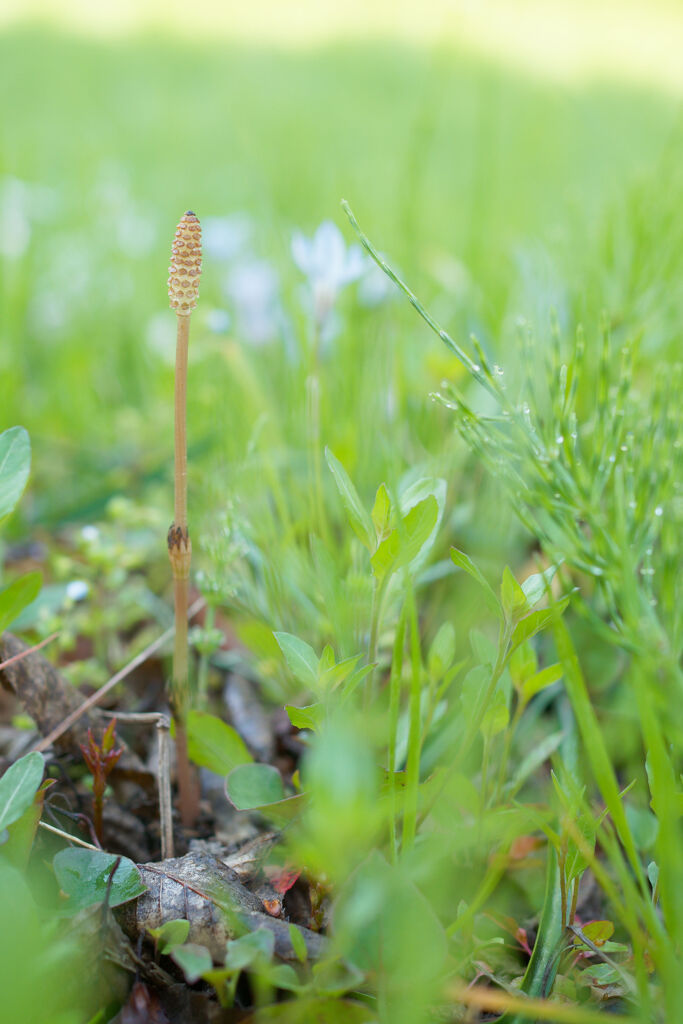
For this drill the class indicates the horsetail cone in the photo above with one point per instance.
(186, 265)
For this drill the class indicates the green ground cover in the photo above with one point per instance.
(518, 210)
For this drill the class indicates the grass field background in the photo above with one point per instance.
(499, 192)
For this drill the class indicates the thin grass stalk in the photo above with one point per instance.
(395, 681)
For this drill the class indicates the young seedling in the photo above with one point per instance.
(183, 290)
(101, 759)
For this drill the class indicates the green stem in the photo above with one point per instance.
(484, 777)
(314, 438)
(394, 707)
(378, 593)
(204, 659)
(509, 733)
(414, 735)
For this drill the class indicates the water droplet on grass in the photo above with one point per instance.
(659, 511)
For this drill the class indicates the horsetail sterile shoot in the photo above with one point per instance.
(183, 290)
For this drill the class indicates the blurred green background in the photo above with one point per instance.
(511, 158)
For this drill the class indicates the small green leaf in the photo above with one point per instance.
(537, 585)
(15, 464)
(298, 943)
(301, 659)
(22, 832)
(170, 935)
(355, 678)
(18, 787)
(253, 948)
(512, 596)
(405, 542)
(336, 675)
(536, 621)
(258, 787)
(254, 785)
(83, 876)
(305, 718)
(546, 677)
(193, 960)
(597, 931)
(327, 660)
(602, 975)
(522, 664)
(285, 977)
(442, 651)
(576, 862)
(464, 562)
(214, 744)
(17, 596)
(357, 514)
(381, 512)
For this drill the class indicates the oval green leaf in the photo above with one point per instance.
(84, 876)
(17, 596)
(406, 541)
(357, 515)
(213, 744)
(194, 961)
(251, 786)
(18, 787)
(15, 464)
(301, 659)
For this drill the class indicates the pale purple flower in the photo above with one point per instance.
(253, 289)
(224, 238)
(328, 263)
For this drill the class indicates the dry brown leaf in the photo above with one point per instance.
(200, 889)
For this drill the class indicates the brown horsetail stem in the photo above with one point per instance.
(183, 291)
